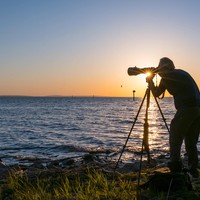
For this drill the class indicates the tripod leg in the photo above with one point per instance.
(145, 142)
(146, 127)
(161, 113)
(131, 129)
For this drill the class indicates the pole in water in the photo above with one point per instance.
(133, 95)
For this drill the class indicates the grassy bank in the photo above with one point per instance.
(87, 185)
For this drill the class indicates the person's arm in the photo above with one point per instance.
(157, 91)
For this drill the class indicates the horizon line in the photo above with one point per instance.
(73, 96)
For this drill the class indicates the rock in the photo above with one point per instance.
(37, 165)
(89, 158)
(162, 156)
(53, 164)
(68, 162)
(129, 167)
(3, 166)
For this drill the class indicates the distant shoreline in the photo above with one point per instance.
(74, 96)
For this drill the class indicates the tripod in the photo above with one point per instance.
(145, 143)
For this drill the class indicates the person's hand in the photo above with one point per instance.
(150, 78)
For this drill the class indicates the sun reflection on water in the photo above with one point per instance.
(156, 122)
(157, 134)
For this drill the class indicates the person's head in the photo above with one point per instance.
(165, 65)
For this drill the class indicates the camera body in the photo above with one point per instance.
(134, 71)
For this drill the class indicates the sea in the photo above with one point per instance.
(52, 128)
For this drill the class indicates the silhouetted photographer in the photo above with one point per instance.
(185, 126)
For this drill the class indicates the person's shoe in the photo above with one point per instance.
(194, 173)
(175, 166)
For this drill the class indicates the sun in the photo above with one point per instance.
(147, 74)
(143, 76)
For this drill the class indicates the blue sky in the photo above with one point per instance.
(84, 47)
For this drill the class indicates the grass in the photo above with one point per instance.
(90, 185)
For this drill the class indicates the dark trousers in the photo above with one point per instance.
(185, 127)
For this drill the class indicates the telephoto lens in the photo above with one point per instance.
(134, 71)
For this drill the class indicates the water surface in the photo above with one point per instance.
(60, 127)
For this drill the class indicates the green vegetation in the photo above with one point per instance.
(88, 185)
(91, 185)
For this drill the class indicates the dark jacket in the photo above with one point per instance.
(182, 86)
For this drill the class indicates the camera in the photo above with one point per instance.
(133, 71)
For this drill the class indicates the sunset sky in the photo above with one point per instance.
(84, 47)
